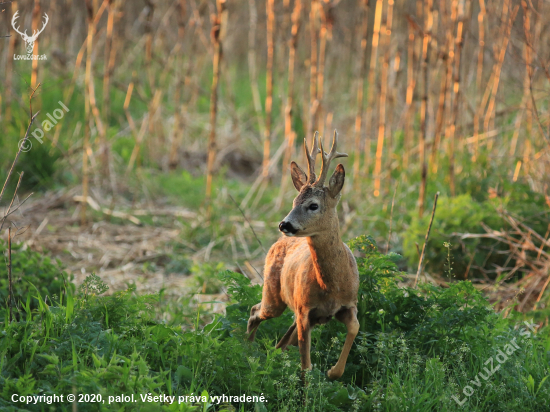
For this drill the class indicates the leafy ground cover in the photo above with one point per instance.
(422, 349)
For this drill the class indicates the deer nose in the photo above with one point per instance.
(286, 227)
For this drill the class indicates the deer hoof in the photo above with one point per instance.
(333, 373)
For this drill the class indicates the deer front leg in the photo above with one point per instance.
(304, 339)
(266, 309)
(349, 318)
(254, 321)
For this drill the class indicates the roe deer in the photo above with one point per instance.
(310, 269)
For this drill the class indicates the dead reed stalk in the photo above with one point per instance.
(149, 12)
(270, 11)
(497, 68)
(217, 34)
(313, 102)
(393, 79)
(439, 117)
(325, 15)
(383, 97)
(36, 22)
(177, 131)
(428, 22)
(252, 69)
(409, 103)
(446, 59)
(108, 65)
(525, 101)
(364, 6)
(289, 133)
(460, 13)
(479, 72)
(87, 109)
(370, 82)
(9, 68)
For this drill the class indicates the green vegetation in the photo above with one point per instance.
(462, 116)
(464, 214)
(32, 270)
(417, 348)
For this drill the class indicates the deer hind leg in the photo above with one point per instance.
(349, 318)
(290, 338)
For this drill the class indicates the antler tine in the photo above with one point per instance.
(328, 158)
(311, 156)
(13, 20)
(35, 33)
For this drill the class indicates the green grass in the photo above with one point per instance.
(417, 348)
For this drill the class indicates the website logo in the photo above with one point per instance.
(29, 40)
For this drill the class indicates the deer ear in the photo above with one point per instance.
(336, 181)
(299, 177)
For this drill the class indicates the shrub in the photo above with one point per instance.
(462, 214)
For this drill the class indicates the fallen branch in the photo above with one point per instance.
(94, 205)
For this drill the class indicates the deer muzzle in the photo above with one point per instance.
(287, 228)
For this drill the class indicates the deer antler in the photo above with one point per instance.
(37, 32)
(13, 20)
(328, 158)
(311, 157)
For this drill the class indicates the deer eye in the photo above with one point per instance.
(313, 206)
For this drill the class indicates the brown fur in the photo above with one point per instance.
(312, 272)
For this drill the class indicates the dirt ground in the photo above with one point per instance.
(120, 253)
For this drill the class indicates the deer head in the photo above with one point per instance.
(29, 40)
(316, 203)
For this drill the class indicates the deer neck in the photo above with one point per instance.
(328, 254)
